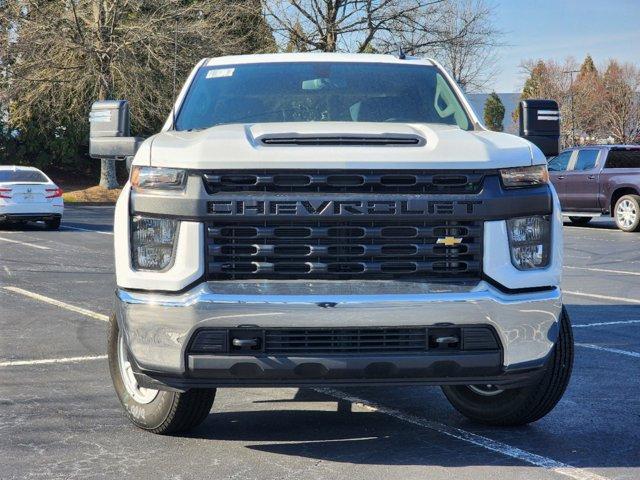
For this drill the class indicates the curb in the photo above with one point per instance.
(89, 204)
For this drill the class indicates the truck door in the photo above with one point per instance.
(581, 181)
(558, 172)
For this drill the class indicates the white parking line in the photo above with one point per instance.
(603, 297)
(475, 439)
(66, 227)
(44, 361)
(39, 247)
(602, 324)
(604, 270)
(609, 349)
(58, 303)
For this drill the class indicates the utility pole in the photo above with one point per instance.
(573, 118)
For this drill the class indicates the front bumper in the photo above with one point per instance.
(28, 217)
(159, 326)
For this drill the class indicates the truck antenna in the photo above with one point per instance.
(175, 73)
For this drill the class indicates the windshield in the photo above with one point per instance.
(32, 176)
(319, 92)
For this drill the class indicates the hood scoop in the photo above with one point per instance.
(344, 140)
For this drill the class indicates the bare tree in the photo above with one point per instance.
(71, 52)
(458, 32)
(336, 25)
(597, 106)
(469, 43)
(621, 112)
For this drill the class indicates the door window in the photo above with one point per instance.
(627, 158)
(586, 159)
(559, 163)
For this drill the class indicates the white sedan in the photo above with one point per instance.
(27, 194)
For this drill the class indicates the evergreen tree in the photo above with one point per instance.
(533, 85)
(296, 40)
(494, 113)
(587, 93)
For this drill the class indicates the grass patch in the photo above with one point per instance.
(92, 195)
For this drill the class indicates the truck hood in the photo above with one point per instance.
(339, 145)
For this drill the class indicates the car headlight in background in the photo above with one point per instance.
(157, 178)
(524, 176)
(152, 242)
(529, 241)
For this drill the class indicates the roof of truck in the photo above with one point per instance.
(315, 57)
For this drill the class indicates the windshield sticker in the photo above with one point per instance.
(220, 72)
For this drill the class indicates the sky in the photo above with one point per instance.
(562, 28)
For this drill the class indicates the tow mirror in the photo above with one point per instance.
(539, 122)
(109, 131)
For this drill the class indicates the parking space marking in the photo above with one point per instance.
(603, 297)
(609, 350)
(39, 247)
(604, 270)
(45, 361)
(58, 303)
(66, 227)
(473, 438)
(603, 324)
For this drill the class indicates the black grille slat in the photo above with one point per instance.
(346, 181)
(396, 340)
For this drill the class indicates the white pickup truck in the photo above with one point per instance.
(333, 219)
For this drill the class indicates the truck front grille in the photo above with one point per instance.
(315, 249)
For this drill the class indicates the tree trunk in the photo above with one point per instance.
(108, 177)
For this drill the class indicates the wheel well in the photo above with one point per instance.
(621, 192)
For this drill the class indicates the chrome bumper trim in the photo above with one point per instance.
(158, 326)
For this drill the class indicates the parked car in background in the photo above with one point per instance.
(27, 194)
(599, 180)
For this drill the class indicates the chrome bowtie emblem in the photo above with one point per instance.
(449, 241)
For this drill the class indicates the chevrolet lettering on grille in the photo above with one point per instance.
(328, 208)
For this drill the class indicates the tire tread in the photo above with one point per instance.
(539, 399)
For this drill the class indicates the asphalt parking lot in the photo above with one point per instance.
(59, 416)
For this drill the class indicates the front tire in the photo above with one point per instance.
(490, 405)
(627, 213)
(157, 411)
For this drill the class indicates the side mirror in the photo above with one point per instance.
(109, 131)
(539, 122)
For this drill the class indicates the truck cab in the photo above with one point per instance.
(332, 219)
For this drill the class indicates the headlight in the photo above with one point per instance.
(524, 176)
(529, 241)
(157, 178)
(152, 242)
